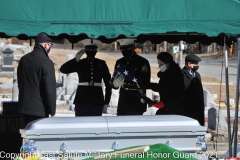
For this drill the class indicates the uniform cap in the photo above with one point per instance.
(165, 57)
(125, 43)
(42, 38)
(192, 58)
(91, 43)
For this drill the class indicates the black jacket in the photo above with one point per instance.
(194, 99)
(90, 71)
(129, 99)
(36, 83)
(171, 90)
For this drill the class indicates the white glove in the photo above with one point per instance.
(118, 80)
(105, 108)
(79, 55)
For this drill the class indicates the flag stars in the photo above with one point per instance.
(134, 79)
(125, 72)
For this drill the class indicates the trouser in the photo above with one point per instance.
(29, 118)
(88, 110)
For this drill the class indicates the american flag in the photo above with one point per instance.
(128, 73)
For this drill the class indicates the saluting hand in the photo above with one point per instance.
(79, 55)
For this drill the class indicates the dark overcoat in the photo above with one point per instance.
(36, 83)
(171, 90)
(129, 100)
(90, 71)
(194, 98)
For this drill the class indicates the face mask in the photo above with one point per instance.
(126, 53)
(50, 46)
(163, 68)
(48, 50)
(195, 68)
(91, 54)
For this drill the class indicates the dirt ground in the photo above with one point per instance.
(58, 56)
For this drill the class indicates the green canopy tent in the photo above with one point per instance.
(192, 21)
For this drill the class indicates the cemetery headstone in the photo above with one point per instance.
(215, 117)
(7, 60)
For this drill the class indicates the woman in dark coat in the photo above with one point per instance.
(170, 86)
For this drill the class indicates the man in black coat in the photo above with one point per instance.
(37, 82)
(194, 99)
(89, 99)
(132, 74)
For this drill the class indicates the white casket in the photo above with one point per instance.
(103, 134)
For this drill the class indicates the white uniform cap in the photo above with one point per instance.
(124, 42)
(91, 42)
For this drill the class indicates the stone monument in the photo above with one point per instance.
(7, 60)
(216, 119)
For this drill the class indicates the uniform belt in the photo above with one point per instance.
(130, 89)
(90, 84)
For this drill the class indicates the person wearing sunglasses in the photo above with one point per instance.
(37, 82)
(89, 99)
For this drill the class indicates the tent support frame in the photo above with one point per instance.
(227, 101)
(237, 102)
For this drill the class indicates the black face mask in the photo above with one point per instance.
(48, 50)
(195, 68)
(91, 54)
(126, 53)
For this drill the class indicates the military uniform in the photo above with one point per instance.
(137, 79)
(194, 98)
(89, 94)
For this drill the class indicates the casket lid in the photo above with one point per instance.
(113, 124)
(157, 123)
(67, 125)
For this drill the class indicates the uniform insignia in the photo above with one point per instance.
(145, 69)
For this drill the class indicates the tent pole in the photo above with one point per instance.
(237, 101)
(180, 54)
(72, 45)
(228, 105)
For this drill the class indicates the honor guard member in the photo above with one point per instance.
(132, 74)
(194, 100)
(89, 99)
